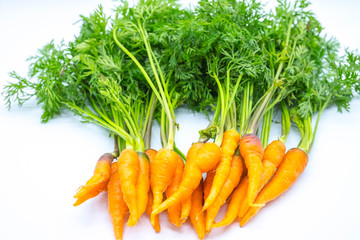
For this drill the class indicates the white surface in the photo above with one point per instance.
(43, 164)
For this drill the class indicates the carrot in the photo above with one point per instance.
(162, 170)
(185, 209)
(273, 155)
(252, 151)
(174, 212)
(151, 153)
(117, 206)
(143, 183)
(149, 208)
(231, 182)
(237, 196)
(98, 182)
(196, 214)
(208, 182)
(128, 167)
(228, 146)
(293, 165)
(186, 204)
(207, 157)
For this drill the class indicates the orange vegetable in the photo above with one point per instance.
(128, 168)
(292, 166)
(252, 151)
(143, 183)
(149, 208)
(196, 214)
(151, 153)
(208, 182)
(233, 209)
(186, 204)
(174, 212)
(229, 144)
(273, 155)
(207, 157)
(98, 182)
(229, 185)
(185, 209)
(162, 170)
(117, 206)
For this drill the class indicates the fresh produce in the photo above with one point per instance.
(232, 59)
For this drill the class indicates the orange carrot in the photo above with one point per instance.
(229, 144)
(292, 166)
(229, 185)
(208, 182)
(207, 157)
(151, 153)
(143, 183)
(237, 196)
(196, 214)
(128, 168)
(98, 182)
(162, 170)
(174, 212)
(273, 155)
(186, 204)
(185, 209)
(117, 206)
(149, 208)
(252, 151)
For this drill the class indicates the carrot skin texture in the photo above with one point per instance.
(174, 212)
(273, 155)
(292, 166)
(237, 196)
(143, 183)
(196, 214)
(117, 206)
(206, 158)
(228, 146)
(252, 152)
(162, 170)
(98, 182)
(229, 185)
(128, 168)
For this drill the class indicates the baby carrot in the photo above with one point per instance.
(206, 158)
(252, 151)
(162, 170)
(151, 153)
(292, 166)
(233, 209)
(143, 183)
(117, 206)
(229, 185)
(128, 167)
(228, 146)
(185, 209)
(273, 155)
(174, 212)
(196, 213)
(98, 182)
(186, 204)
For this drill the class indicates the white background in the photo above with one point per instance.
(43, 164)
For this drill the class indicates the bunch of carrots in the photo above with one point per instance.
(228, 57)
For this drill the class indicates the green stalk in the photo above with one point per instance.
(285, 122)
(165, 103)
(148, 120)
(265, 129)
(321, 109)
